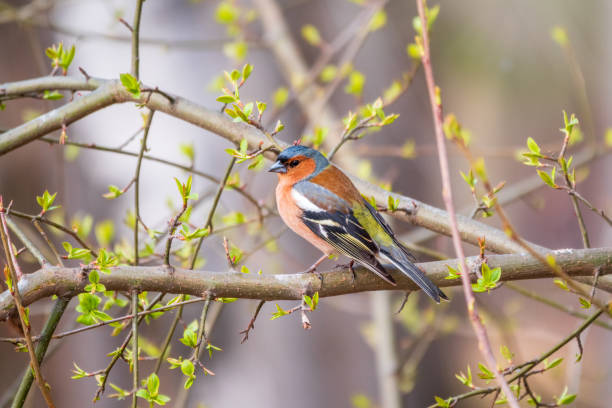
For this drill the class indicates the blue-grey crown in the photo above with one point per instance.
(290, 152)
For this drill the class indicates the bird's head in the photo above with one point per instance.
(297, 163)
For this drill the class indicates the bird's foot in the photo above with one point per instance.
(350, 268)
(313, 269)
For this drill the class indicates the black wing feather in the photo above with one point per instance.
(347, 236)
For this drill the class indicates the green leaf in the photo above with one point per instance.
(506, 353)
(561, 283)
(378, 20)
(153, 384)
(533, 146)
(553, 363)
(442, 403)
(105, 232)
(328, 73)
(130, 84)
(236, 50)
(466, 379)
(547, 178)
(414, 51)
(559, 35)
(608, 137)
(585, 304)
(355, 84)
(246, 71)
(279, 126)
(280, 97)
(113, 192)
(78, 372)
(226, 99)
(226, 12)
(452, 273)
(279, 312)
(469, 178)
(311, 34)
(46, 201)
(187, 368)
(565, 398)
(52, 96)
(485, 373)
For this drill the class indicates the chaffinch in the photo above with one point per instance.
(321, 204)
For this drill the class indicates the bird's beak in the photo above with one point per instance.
(278, 167)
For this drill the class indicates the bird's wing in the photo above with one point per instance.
(398, 255)
(332, 219)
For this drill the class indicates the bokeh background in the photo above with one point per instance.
(500, 72)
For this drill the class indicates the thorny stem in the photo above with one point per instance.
(14, 288)
(479, 329)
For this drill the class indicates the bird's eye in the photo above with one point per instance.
(294, 163)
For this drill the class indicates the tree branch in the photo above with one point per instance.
(107, 92)
(71, 281)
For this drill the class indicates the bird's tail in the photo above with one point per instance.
(399, 257)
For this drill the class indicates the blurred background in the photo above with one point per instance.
(507, 70)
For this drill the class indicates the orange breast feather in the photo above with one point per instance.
(290, 213)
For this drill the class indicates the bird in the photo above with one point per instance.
(320, 203)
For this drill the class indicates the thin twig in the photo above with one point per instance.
(41, 348)
(26, 241)
(92, 146)
(18, 340)
(53, 224)
(135, 384)
(479, 329)
(143, 148)
(14, 288)
(202, 337)
(527, 367)
(251, 325)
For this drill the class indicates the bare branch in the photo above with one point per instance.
(71, 281)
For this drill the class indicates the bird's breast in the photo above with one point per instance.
(291, 214)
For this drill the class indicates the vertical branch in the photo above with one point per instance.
(136, 39)
(147, 126)
(14, 289)
(203, 338)
(436, 106)
(135, 347)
